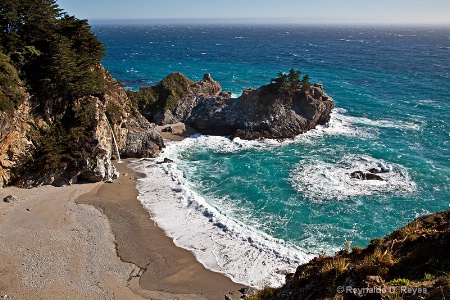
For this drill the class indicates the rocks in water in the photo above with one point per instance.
(370, 175)
(266, 112)
(358, 175)
(262, 113)
(10, 198)
(167, 161)
(374, 170)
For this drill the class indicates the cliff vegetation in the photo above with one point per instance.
(412, 262)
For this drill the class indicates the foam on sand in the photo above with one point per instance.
(221, 244)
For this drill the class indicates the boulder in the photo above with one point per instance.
(167, 129)
(10, 198)
(360, 175)
(167, 161)
(370, 176)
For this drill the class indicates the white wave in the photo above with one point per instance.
(321, 180)
(222, 244)
(340, 124)
(385, 123)
(217, 144)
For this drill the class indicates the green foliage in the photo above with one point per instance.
(428, 277)
(53, 150)
(357, 249)
(289, 82)
(305, 82)
(56, 54)
(164, 96)
(11, 93)
(265, 294)
(376, 242)
(398, 282)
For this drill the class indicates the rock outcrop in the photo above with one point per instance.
(172, 100)
(75, 145)
(265, 112)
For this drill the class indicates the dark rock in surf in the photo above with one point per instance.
(370, 176)
(360, 175)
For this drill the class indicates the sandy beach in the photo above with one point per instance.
(95, 241)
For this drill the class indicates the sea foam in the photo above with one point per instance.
(321, 180)
(221, 244)
(232, 247)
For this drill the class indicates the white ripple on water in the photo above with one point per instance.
(321, 180)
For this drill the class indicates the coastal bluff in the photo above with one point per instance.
(60, 146)
(266, 112)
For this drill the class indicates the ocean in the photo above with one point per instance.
(251, 209)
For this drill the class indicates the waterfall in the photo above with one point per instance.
(114, 139)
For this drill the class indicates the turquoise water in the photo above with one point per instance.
(391, 90)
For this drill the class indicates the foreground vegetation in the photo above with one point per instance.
(413, 262)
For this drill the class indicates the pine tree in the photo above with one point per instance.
(294, 79)
(55, 53)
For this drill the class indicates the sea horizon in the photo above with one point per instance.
(260, 21)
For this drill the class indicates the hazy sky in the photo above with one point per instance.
(299, 11)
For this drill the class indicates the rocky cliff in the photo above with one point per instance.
(266, 112)
(75, 144)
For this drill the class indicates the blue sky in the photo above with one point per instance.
(298, 11)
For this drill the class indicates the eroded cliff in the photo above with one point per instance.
(75, 144)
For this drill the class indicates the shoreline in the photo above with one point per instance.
(165, 270)
(219, 242)
(56, 246)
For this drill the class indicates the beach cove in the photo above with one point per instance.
(55, 246)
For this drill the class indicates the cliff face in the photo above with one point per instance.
(76, 144)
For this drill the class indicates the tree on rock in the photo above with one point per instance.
(290, 82)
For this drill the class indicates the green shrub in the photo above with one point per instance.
(376, 242)
(398, 281)
(265, 294)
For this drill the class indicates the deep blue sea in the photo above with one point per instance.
(391, 88)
